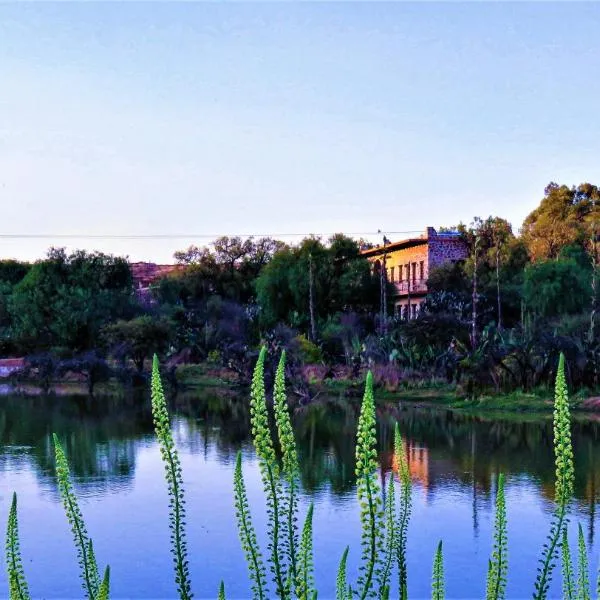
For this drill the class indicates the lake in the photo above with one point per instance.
(454, 462)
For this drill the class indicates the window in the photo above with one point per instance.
(421, 270)
(392, 274)
(414, 272)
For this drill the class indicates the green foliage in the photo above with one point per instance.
(83, 544)
(269, 469)
(371, 513)
(556, 287)
(583, 578)
(290, 469)
(498, 564)
(64, 300)
(341, 589)
(563, 458)
(567, 568)
(174, 480)
(221, 595)
(309, 351)
(247, 534)
(437, 579)
(17, 584)
(342, 281)
(403, 518)
(141, 337)
(305, 587)
(561, 219)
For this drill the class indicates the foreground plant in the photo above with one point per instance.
(401, 526)
(438, 590)
(83, 543)
(174, 480)
(291, 474)
(498, 564)
(563, 457)
(247, 534)
(17, 584)
(371, 514)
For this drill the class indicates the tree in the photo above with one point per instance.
(64, 300)
(139, 338)
(341, 280)
(556, 287)
(563, 218)
(91, 365)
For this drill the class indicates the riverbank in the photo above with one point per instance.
(191, 379)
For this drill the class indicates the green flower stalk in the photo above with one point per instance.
(247, 534)
(17, 584)
(290, 470)
(567, 568)
(390, 537)
(269, 469)
(583, 578)
(563, 453)
(371, 513)
(221, 595)
(341, 589)
(404, 512)
(104, 590)
(85, 553)
(306, 564)
(437, 581)
(498, 564)
(174, 479)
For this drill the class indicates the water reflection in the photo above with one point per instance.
(101, 438)
(452, 457)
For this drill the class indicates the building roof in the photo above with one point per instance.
(430, 233)
(143, 274)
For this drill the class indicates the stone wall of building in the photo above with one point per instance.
(443, 249)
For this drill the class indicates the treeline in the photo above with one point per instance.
(494, 321)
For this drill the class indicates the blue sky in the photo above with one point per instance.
(176, 118)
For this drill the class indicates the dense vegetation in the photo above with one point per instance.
(290, 553)
(494, 322)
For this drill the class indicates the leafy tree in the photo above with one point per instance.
(563, 218)
(64, 300)
(556, 287)
(342, 281)
(139, 338)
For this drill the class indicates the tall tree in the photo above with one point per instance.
(561, 219)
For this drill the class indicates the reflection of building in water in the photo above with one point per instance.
(424, 469)
(417, 457)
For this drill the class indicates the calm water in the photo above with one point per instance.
(453, 459)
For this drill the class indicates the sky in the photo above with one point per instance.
(192, 120)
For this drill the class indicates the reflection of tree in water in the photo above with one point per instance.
(103, 435)
(100, 436)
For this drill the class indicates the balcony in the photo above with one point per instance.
(416, 287)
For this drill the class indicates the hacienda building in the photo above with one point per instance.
(407, 264)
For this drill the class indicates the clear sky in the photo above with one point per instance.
(191, 118)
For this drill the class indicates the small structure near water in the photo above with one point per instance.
(10, 366)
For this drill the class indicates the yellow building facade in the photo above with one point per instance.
(407, 264)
